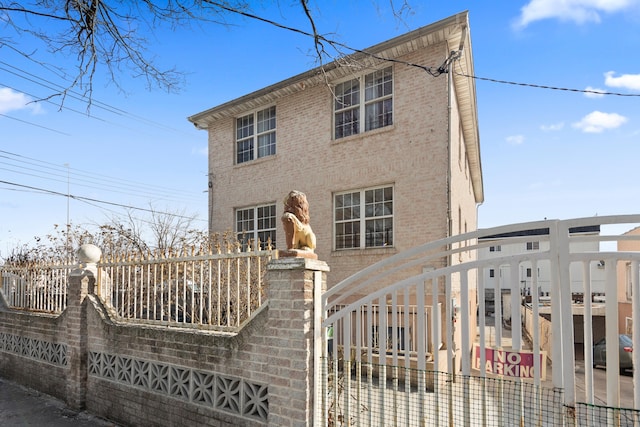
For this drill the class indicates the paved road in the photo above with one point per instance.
(599, 374)
(21, 406)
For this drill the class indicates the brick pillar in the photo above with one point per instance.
(291, 329)
(82, 281)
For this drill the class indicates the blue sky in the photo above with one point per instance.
(546, 153)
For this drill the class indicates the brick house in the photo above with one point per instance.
(384, 144)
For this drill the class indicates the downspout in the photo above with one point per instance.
(210, 202)
(449, 142)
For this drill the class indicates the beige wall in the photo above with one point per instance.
(624, 302)
(413, 155)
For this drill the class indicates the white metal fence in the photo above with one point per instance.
(35, 286)
(205, 290)
(362, 385)
(217, 291)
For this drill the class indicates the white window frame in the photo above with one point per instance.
(367, 98)
(629, 281)
(258, 131)
(358, 217)
(257, 227)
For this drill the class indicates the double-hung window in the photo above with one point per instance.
(256, 223)
(364, 218)
(256, 135)
(372, 106)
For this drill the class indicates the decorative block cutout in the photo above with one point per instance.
(35, 349)
(216, 391)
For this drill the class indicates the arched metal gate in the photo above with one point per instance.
(412, 341)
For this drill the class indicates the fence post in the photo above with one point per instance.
(82, 281)
(291, 324)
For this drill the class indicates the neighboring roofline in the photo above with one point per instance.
(449, 30)
(542, 232)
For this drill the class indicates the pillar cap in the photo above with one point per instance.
(297, 264)
(89, 254)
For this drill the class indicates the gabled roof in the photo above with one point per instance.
(453, 30)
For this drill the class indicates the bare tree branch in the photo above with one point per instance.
(108, 35)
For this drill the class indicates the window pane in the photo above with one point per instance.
(347, 123)
(347, 206)
(347, 94)
(347, 235)
(379, 232)
(266, 217)
(244, 224)
(264, 237)
(379, 202)
(379, 114)
(378, 84)
(266, 120)
(267, 144)
(244, 127)
(244, 150)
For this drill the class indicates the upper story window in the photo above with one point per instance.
(364, 218)
(256, 135)
(372, 106)
(496, 248)
(256, 223)
(533, 246)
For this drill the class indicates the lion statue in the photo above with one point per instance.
(295, 219)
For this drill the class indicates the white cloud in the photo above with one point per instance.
(594, 92)
(515, 139)
(11, 100)
(552, 127)
(598, 121)
(578, 11)
(626, 81)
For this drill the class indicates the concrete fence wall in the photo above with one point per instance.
(159, 376)
(544, 327)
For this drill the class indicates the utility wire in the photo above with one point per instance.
(92, 178)
(430, 70)
(81, 198)
(66, 107)
(596, 92)
(76, 184)
(34, 124)
(47, 84)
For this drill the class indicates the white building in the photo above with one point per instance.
(508, 245)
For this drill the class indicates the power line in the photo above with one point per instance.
(34, 124)
(92, 176)
(431, 70)
(47, 84)
(596, 92)
(89, 199)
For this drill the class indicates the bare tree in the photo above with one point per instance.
(109, 34)
(119, 236)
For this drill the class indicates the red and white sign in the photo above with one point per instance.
(510, 363)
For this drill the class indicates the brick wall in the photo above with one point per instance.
(412, 155)
(154, 376)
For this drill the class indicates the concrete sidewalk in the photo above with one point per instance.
(21, 406)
